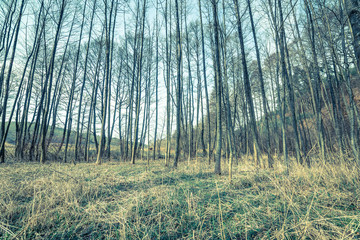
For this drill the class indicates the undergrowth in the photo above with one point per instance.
(124, 201)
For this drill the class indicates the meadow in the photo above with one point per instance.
(117, 200)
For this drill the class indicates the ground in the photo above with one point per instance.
(118, 200)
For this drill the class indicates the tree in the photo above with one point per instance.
(156, 81)
(218, 88)
(138, 94)
(7, 84)
(107, 77)
(48, 84)
(205, 79)
(72, 91)
(179, 86)
(262, 87)
(353, 12)
(286, 79)
(247, 86)
(84, 80)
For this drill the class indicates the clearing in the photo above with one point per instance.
(123, 201)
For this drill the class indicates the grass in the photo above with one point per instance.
(123, 201)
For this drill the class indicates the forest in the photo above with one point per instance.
(105, 98)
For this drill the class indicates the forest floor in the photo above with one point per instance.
(123, 201)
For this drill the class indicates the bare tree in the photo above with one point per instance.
(247, 86)
(353, 12)
(178, 86)
(218, 88)
(139, 78)
(84, 79)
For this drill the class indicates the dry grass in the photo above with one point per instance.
(122, 201)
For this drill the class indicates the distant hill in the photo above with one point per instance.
(58, 133)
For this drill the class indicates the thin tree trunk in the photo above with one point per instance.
(247, 87)
(48, 85)
(84, 80)
(286, 78)
(262, 88)
(205, 81)
(179, 86)
(218, 87)
(138, 94)
(107, 76)
(156, 81)
(7, 85)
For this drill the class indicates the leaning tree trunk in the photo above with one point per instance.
(7, 85)
(262, 87)
(72, 92)
(48, 85)
(247, 87)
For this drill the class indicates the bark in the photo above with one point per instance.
(226, 97)
(84, 80)
(48, 84)
(218, 87)
(111, 124)
(205, 80)
(247, 87)
(189, 93)
(33, 55)
(179, 86)
(7, 85)
(138, 94)
(6, 42)
(72, 92)
(353, 12)
(317, 90)
(262, 87)
(168, 61)
(132, 89)
(107, 78)
(289, 87)
(156, 81)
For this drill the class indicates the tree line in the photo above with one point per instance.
(180, 80)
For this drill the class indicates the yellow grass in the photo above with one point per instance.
(124, 201)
